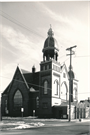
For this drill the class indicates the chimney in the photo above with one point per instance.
(33, 69)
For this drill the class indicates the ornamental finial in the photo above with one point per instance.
(50, 32)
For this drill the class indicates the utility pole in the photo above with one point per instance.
(0, 113)
(70, 79)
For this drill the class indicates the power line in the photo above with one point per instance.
(84, 93)
(21, 25)
(62, 56)
(64, 61)
(37, 85)
(13, 52)
(82, 56)
(24, 82)
(24, 26)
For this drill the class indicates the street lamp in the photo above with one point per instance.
(22, 110)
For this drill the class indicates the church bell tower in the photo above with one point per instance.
(49, 76)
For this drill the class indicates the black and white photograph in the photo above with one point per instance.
(45, 67)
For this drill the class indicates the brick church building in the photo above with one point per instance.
(44, 94)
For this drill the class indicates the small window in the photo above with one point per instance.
(45, 87)
(37, 102)
(47, 67)
(58, 69)
(54, 67)
(6, 104)
(43, 67)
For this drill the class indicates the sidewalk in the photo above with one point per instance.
(9, 123)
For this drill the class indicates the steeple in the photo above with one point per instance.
(50, 49)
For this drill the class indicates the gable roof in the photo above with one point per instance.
(32, 79)
(64, 67)
(24, 71)
(6, 91)
(25, 81)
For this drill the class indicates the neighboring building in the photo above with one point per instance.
(85, 103)
(41, 93)
(83, 109)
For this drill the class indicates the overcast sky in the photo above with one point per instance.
(23, 30)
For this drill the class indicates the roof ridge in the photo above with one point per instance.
(24, 71)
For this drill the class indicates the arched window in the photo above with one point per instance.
(45, 87)
(64, 91)
(56, 87)
(37, 102)
(18, 99)
(75, 94)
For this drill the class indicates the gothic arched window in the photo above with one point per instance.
(45, 87)
(56, 87)
(18, 99)
(75, 94)
(64, 91)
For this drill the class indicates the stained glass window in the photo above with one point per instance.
(18, 99)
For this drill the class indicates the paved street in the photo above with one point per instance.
(53, 127)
